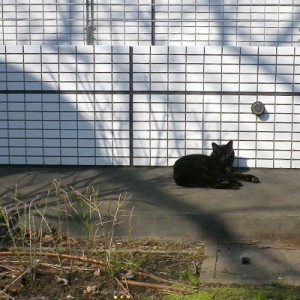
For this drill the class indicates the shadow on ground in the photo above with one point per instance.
(157, 208)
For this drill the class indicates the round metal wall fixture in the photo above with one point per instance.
(258, 108)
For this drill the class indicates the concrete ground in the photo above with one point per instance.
(234, 223)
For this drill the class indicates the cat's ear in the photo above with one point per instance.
(214, 146)
(230, 144)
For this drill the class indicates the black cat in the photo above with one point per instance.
(215, 171)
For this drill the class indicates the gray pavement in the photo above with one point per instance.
(251, 263)
(267, 212)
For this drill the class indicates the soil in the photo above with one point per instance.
(47, 264)
(48, 267)
(100, 270)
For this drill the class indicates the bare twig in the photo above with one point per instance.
(154, 286)
(10, 268)
(50, 254)
(154, 277)
(124, 288)
(5, 296)
(20, 276)
(66, 268)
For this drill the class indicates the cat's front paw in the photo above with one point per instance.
(235, 185)
(254, 179)
(250, 178)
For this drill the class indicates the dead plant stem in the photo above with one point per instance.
(154, 286)
(56, 255)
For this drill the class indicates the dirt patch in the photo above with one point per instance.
(41, 260)
(127, 270)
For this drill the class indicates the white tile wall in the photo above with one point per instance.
(71, 104)
(44, 126)
(173, 123)
(42, 22)
(131, 22)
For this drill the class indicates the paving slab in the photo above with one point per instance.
(251, 263)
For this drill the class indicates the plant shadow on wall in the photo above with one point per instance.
(280, 36)
(59, 126)
(43, 24)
